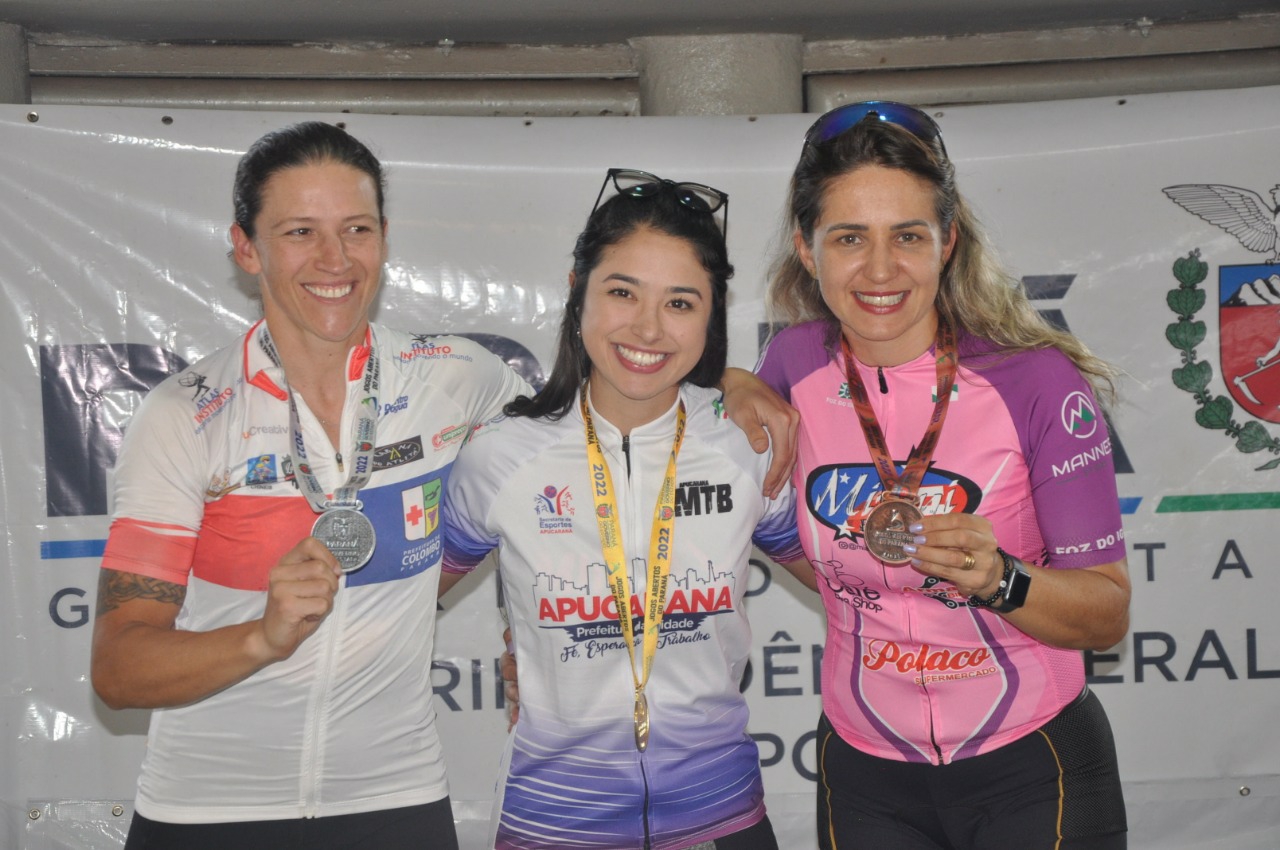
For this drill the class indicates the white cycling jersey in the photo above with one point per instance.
(205, 497)
(572, 775)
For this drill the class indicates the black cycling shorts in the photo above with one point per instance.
(425, 827)
(1055, 789)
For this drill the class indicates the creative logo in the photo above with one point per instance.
(554, 509)
(1079, 416)
(397, 454)
(421, 510)
(255, 430)
(841, 496)
(1248, 318)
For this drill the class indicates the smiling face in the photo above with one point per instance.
(878, 252)
(644, 325)
(318, 253)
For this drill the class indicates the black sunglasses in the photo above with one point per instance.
(641, 184)
(843, 118)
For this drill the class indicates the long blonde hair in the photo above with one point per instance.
(975, 292)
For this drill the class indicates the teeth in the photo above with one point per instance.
(330, 291)
(640, 358)
(880, 300)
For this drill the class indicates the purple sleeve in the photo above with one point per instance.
(777, 534)
(1068, 451)
(466, 539)
(794, 353)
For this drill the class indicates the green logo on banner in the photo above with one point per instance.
(1216, 411)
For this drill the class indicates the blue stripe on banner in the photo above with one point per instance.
(1130, 505)
(50, 549)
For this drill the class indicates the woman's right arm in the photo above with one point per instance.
(139, 660)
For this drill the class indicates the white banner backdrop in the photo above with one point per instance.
(113, 268)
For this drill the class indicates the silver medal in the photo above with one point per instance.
(349, 536)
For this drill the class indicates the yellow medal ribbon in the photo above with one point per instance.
(659, 565)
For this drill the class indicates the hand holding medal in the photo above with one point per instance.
(887, 529)
(300, 593)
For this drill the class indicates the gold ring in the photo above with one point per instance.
(969, 561)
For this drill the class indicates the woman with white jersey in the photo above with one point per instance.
(284, 638)
(621, 487)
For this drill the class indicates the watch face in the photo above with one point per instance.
(1019, 583)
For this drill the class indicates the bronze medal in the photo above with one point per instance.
(887, 529)
(642, 722)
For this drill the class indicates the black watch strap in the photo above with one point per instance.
(1012, 591)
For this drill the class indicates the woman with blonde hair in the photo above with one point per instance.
(953, 469)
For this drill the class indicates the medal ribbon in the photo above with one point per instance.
(661, 539)
(361, 457)
(905, 486)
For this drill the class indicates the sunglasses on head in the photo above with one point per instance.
(641, 184)
(843, 118)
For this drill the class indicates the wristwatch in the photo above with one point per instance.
(1012, 592)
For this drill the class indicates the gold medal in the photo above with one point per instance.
(642, 721)
(887, 529)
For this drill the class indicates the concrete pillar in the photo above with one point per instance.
(15, 72)
(751, 74)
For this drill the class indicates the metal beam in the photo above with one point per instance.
(1049, 80)
(1064, 45)
(398, 97)
(442, 61)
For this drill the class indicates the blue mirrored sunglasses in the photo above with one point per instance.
(642, 184)
(842, 118)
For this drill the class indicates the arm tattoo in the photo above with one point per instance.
(116, 588)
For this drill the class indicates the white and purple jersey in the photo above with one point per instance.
(911, 670)
(572, 776)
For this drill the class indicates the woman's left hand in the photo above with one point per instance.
(959, 548)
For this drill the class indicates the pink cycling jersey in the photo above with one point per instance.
(912, 671)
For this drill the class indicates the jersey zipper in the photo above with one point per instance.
(908, 609)
(644, 775)
(317, 728)
(638, 534)
(884, 385)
